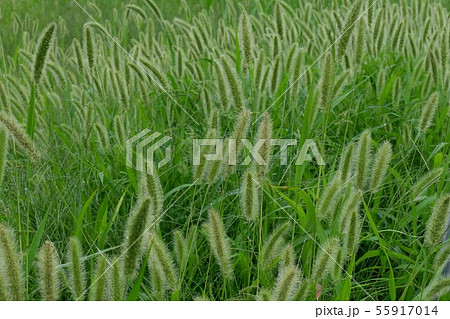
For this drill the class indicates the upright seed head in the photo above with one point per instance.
(286, 284)
(233, 84)
(134, 236)
(3, 152)
(48, 272)
(162, 258)
(352, 232)
(3, 98)
(246, 40)
(240, 132)
(428, 112)
(352, 203)
(13, 272)
(438, 221)
(265, 151)
(99, 281)
(150, 186)
(180, 247)
(249, 196)
(362, 159)
(116, 282)
(348, 27)
(325, 259)
(76, 270)
(280, 20)
(219, 243)
(43, 48)
(345, 164)
(327, 83)
(89, 46)
(330, 196)
(273, 246)
(288, 256)
(380, 166)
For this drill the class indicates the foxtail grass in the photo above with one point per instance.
(219, 243)
(48, 262)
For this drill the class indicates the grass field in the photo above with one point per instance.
(362, 84)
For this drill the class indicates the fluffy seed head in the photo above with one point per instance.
(134, 236)
(362, 159)
(345, 164)
(19, 135)
(11, 261)
(249, 196)
(162, 258)
(380, 166)
(325, 259)
(43, 47)
(428, 112)
(273, 246)
(246, 40)
(3, 152)
(265, 151)
(286, 284)
(99, 281)
(219, 243)
(48, 272)
(76, 271)
(330, 196)
(437, 223)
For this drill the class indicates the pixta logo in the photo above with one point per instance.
(144, 145)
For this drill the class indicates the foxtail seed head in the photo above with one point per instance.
(219, 243)
(48, 272)
(76, 270)
(287, 284)
(246, 40)
(325, 259)
(134, 236)
(13, 272)
(265, 134)
(162, 258)
(362, 159)
(43, 47)
(438, 221)
(330, 197)
(249, 196)
(380, 166)
(273, 246)
(99, 282)
(428, 112)
(3, 152)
